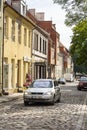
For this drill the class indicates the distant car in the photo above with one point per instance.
(61, 81)
(69, 77)
(82, 83)
(42, 90)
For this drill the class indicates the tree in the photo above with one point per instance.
(78, 47)
(76, 10)
(76, 14)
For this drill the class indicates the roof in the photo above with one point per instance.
(27, 19)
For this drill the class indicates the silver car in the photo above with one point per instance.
(62, 81)
(42, 90)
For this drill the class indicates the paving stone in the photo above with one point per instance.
(62, 116)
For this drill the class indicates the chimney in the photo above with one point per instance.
(32, 11)
(40, 16)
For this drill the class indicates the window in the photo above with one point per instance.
(5, 27)
(55, 83)
(40, 43)
(13, 31)
(45, 50)
(25, 36)
(23, 9)
(29, 38)
(36, 41)
(19, 32)
(52, 54)
(44, 46)
(41, 84)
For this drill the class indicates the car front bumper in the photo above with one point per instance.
(82, 87)
(38, 98)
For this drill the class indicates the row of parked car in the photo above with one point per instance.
(82, 84)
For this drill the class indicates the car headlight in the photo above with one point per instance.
(48, 93)
(26, 93)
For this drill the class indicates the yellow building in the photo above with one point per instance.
(17, 49)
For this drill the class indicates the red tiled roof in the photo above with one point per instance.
(31, 17)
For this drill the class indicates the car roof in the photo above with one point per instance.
(43, 80)
(84, 77)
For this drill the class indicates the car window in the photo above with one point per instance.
(83, 79)
(41, 84)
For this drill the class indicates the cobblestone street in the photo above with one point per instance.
(69, 114)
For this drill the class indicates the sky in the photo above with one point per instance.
(56, 14)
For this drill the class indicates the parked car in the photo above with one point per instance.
(82, 83)
(69, 77)
(61, 81)
(42, 90)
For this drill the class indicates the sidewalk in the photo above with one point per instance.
(10, 97)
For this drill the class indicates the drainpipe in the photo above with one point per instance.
(4, 7)
(1, 42)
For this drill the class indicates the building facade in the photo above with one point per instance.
(51, 29)
(39, 49)
(39, 54)
(31, 47)
(17, 49)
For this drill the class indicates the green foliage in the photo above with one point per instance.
(76, 10)
(76, 14)
(78, 47)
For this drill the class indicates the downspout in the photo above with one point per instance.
(3, 50)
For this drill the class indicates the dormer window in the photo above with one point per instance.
(23, 7)
(23, 10)
(19, 5)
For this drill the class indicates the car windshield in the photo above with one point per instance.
(83, 79)
(41, 84)
(62, 79)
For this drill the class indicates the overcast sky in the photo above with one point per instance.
(56, 14)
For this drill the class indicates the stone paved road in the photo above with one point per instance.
(69, 114)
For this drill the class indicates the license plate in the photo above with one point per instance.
(36, 97)
(85, 86)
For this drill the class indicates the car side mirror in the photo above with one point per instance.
(56, 83)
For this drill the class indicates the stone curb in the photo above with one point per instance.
(9, 98)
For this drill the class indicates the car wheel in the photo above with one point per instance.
(58, 100)
(78, 88)
(26, 103)
(53, 101)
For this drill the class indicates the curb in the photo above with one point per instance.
(9, 98)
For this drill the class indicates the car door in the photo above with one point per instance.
(57, 89)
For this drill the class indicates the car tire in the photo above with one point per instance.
(26, 103)
(53, 101)
(78, 88)
(58, 100)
